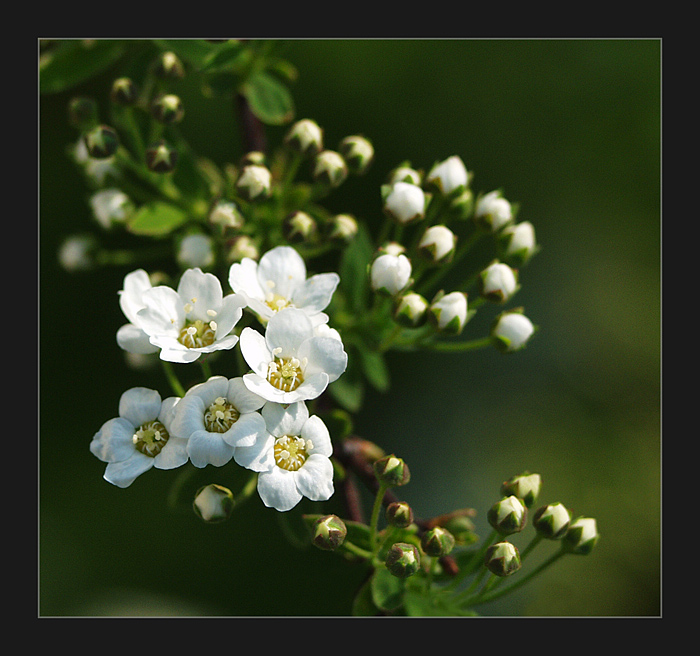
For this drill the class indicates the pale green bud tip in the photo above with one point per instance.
(305, 137)
(213, 503)
(526, 487)
(582, 536)
(342, 227)
(299, 226)
(161, 157)
(123, 91)
(254, 182)
(508, 516)
(403, 560)
(101, 142)
(168, 109)
(438, 243)
(329, 532)
(502, 559)
(399, 514)
(169, 65)
(411, 310)
(358, 153)
(438, 541)
(330, 168)
(392, 471)
(552, 521)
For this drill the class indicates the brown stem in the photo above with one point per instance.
(252, 129)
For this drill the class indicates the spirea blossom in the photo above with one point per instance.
(131, 337)
(139, 438)
(194, 319)
(292, 361)
(279, 281)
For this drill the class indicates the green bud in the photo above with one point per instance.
(403, 560)
(399, 514)
(552, 521)
(168, 109)
(254, 182)
(123, 91)
(169, 66)
(438, 541)
(461, 527)
(582, 536)
(329, 532)
(462, 204)
(502, 559)
(305, 137)
(213, 503)
(411, 310)
(342, 227)
(161, 157)
(526, 487)
(240, 247)
(299, 227)
(392, 471)
(507, 516)
(330, 169)
(101, 142)
(83, 114)
(358, 153)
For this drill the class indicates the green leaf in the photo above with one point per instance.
(156, 220)
(362, 605)
(269, 99)
(195, 52)
(421, 603)
(387, 589)
(68, 63)
(349, 389)
(374, 368)
(354, 278)
(232, 56)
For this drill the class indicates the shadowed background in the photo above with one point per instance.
(570, 130)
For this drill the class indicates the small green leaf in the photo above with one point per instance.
(349, 389)
(269, 99)
(374, 368)
(195, 52)
(354, 279)
(156, 220)
(362, 605)
(231, 56)
(387, 589)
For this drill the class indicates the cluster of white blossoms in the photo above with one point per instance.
(259, 420)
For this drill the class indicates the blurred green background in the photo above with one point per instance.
(570, 130)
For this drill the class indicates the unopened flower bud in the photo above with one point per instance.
(168, 109)
(305, 137)
(330, 169)
(509, 515)
(438, 541)
(242, 246)
(255, 182)
(582, 536)
(358, 153)
(511, 331)
(461, 527)
(329, 532)
(502, 559)
(411, 310)
(403, 560)
(493, 212)
(342, 227)
(390, 274)
(213, 503)
(101, 142)
(552, 521)
(438, 243)
(77, 253)
(299, 226)
(449, 176)
(110, 206)
(404, 202)
(498, 282)
(449, 312)
(226, 214)
(196, 250)
(83, 114)
(253, 157)
(404, 173)
(161, 157)
(526, 487)
(123, 91)
(169, 66)
(518, 243)
(391, 248)
(399, 514)
(392, 471)
(462, 204)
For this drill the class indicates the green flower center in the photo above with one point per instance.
(291, 452)
(150, 438)
(286, 374)
(220, 416)
(197, 334)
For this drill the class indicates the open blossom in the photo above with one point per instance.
(217, 416)
(131, 337)
(194, 319)
(294, 461)
(279, 281)
(292, 361)
(139, 438)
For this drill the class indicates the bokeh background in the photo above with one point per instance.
(570, 130)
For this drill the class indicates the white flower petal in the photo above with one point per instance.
(281, 420)
(243, 278)
(123, 473)
(315, 430)
(255, 351)
(259, 456)
(278, 490)
(163, 312)
(188, 417)
(201, 291)
(315, 294)
(287, 330)
(242, 398)
(113, 442)
(245, 431)
(206, 448)
(228, 315)
(134, 340)
(174, 454)
(284, 268)
(135, 284)
(315, 478)
(324, 354)
(139, 405)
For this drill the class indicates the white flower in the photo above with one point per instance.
(438, 242)
(216, 417)
(449, 175)
(291, 362)
(226, 214)
(449, 312)
(131, 336)
(390, 273)
(196, 251)
(405, 202)
(139, 438)
(512, 330)
(498, 282)
(493, 211)
(76, 253)
(294, 461)
(278, 281)
(193, 320)
(96, 169)
(110, 206)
